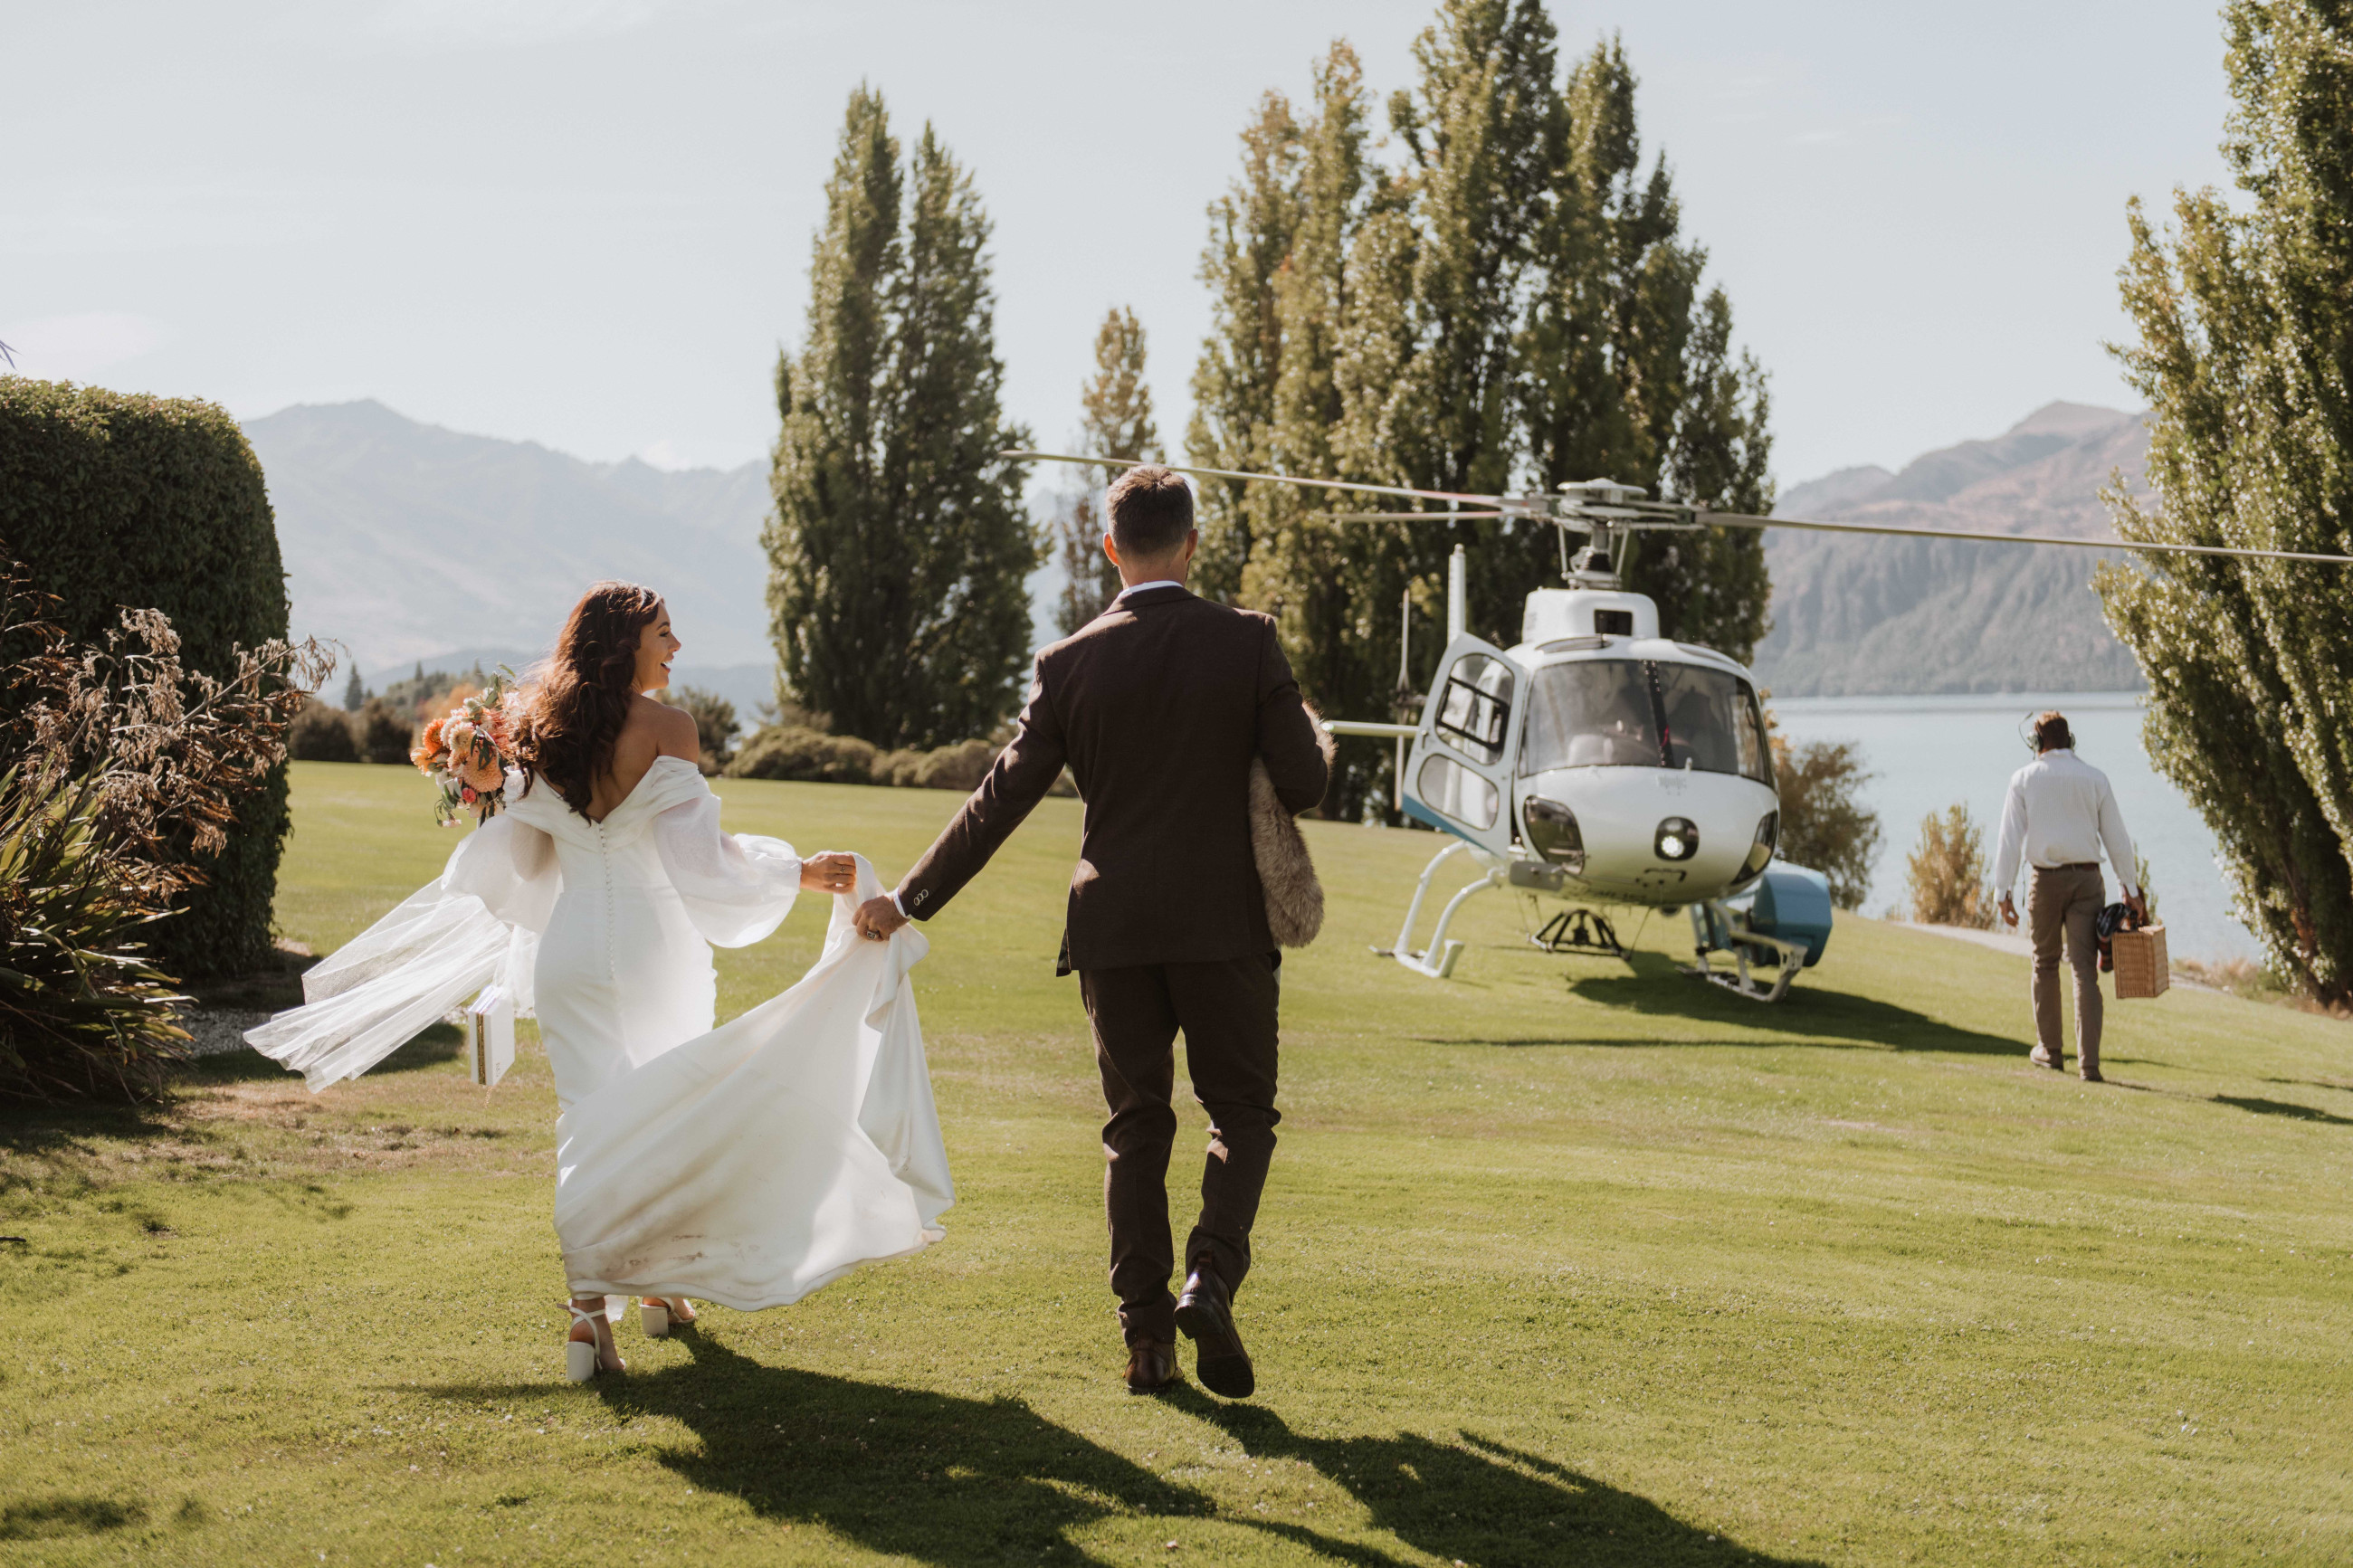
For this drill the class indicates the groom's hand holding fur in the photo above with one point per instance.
(878, 917)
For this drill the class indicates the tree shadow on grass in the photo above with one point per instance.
(1472, 1501)
(2283, 1107)
(1660, 989)
(52, 1518)
(436, 1044)
(2312, 1083)
(926, 1477)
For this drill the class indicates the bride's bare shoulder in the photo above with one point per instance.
(660, 729)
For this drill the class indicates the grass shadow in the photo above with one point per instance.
(2311, 1083)
(1659, 988)
(916, 1475)
(1472, 1501)
(71, 1130)
(2283, 1107)
(53, 1517)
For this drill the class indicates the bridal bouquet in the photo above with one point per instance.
(467, 751)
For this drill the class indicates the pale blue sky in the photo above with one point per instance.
(587, 222)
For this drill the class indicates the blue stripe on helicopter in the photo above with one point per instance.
(1429, 818)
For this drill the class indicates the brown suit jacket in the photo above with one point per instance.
(1158, 707)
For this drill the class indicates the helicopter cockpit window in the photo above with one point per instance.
(1712, 722)
(1475, 709)
(1595, 713)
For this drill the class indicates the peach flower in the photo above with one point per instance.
(482, 775)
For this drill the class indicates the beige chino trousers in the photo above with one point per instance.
(2065, 902)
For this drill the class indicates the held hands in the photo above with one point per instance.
(878, 917)
(830, 873)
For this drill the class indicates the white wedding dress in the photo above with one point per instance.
(746, 1164)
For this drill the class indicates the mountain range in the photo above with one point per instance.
(1873, 615)
(412, 544)
(407, 543)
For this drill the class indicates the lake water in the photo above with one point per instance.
(1928, 751)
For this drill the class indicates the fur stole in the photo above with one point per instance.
(1294, 899)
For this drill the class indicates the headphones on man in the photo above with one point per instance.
(2028, 731)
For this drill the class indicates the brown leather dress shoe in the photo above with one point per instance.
(1150, 1366)
(2091, 1074)
(1205, 1315)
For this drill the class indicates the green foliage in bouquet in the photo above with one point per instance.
(120, 772)
(467, 752)
(118, 501)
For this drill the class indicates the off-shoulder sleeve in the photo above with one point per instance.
(511, 865)
(737, 887)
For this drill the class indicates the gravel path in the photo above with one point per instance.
(213, 1033)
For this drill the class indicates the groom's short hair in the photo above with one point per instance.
(1151, 512)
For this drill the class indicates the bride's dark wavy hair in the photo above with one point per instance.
(575, 701)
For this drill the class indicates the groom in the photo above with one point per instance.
(1158, 707)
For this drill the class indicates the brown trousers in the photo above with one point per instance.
(2066, 902)
(1226, 1010)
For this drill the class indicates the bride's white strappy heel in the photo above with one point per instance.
(584, 1359)
(658, 1314)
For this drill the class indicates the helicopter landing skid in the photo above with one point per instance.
(1580, 930)
(1419, 961)
(1739, 980)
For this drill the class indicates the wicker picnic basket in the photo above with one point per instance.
(2142, 968)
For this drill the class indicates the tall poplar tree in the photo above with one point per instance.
(1114, 421)
(2245, 319)
(898, 544)
(1233, 382)
(1628, 370)
(1511, 304)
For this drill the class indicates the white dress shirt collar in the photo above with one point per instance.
(1147, 587)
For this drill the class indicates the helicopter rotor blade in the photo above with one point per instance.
(1426, 516)
(1270, 478)
(1735, 520)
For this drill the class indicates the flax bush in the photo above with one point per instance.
(122, 775)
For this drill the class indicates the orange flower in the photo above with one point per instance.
(482, 775)
(432, 741)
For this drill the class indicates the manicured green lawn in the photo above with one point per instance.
(1559, 1264)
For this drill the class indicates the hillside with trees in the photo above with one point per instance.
(1855, 616)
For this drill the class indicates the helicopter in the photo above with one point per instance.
(1597, 765)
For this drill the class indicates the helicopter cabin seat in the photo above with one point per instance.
(1591, 751)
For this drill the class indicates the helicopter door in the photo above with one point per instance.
(1459, 778)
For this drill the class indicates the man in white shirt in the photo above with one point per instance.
(2059, 815)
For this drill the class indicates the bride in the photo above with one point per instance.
(747, 1164)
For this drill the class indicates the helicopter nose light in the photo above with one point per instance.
(1678, 838)
(1769, 833)
(1552, 832)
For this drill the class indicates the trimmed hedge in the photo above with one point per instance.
(793, 752)
(115, 500)
(799, 752)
